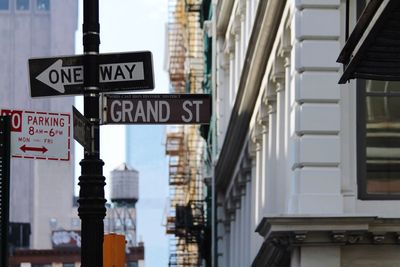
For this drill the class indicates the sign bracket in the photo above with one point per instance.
(103, 109)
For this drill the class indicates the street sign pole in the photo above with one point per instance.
(91, 195)
(5, 129)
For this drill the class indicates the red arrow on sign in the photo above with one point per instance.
(40, 149)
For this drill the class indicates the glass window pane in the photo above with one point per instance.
(22, 4)
(383, 109)
(382, 87)
(4, 4)
(383, 144)
(43, 5)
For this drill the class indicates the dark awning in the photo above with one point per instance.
(373, 48)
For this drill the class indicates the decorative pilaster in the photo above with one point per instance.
(243, 33)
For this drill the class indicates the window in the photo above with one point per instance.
(378, 136)
(4, 4)
(379, 139)
(128, 222)
(22, 4)
(53, 223)
(43, 5)
(75, 223)
(19, 234)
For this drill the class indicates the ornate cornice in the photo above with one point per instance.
(262, 118)
(245, 166)
(285, 46)
(224, 61)
(236, 27)
(272, 107)
(284, 233)
(241, 8)
(254, 144)
(229, 48)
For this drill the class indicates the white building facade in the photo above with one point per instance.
(300, 174)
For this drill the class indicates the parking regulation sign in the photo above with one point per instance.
(39, 135)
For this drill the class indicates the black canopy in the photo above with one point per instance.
(373, 48)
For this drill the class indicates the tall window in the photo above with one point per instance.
(379, 139)
(43, 5)
(22, 5)
(4, 4)
(378, 136)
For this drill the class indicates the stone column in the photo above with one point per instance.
(270, 160)
(242, 21)
(222, 233)
(255, 154)
(237, 57)
(280, 146)
(232, 84)
(262, 131)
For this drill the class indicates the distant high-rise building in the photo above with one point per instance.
(41, 190)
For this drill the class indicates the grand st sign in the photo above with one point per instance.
(157, 109)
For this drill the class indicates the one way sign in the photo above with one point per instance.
(117, 72)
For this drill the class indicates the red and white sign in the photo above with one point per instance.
(39, 135)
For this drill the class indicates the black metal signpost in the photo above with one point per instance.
(91, 195)
(5, 133)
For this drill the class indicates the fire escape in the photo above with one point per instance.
(184, 145)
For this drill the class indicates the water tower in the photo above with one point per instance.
(124, 195)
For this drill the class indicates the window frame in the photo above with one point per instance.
(361, 104)
(8, 9)
(361, 141)
(22, 10)
(41, 11)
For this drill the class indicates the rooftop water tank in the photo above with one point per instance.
(124, 185)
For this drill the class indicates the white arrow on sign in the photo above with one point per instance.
(58, 76)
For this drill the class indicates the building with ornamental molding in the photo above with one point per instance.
(303, 169)
(308, 180)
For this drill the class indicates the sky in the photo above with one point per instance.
(126, 26)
